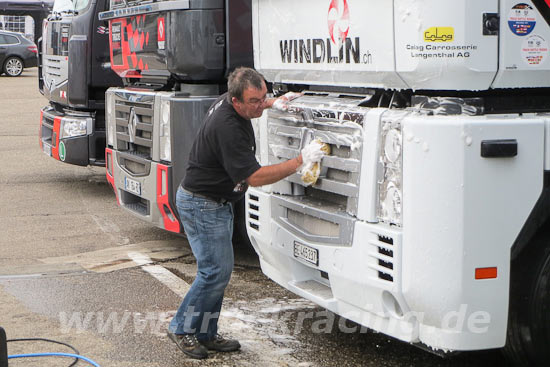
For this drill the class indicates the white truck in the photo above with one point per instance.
(430, 221)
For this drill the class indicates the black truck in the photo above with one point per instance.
(174, 57)
(74, 73)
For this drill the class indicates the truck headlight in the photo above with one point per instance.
(164, 142)
(257, 135)
(110, 120)
(71, 127)
(390, 175)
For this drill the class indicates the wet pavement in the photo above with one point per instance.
(76, 268)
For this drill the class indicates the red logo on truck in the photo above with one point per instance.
(161, 29)
(338, 20)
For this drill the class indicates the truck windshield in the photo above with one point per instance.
(61, 6)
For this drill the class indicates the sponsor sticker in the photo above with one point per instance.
(534, 50)
(522, 19)
(116, 35)
(339, 48)
(439, 34)
(161, 33)
(62, 151)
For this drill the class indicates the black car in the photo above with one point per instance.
(16, 53)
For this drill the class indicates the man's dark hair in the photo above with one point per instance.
(242, 78)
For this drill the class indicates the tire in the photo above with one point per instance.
(13, 66)
(528, 337)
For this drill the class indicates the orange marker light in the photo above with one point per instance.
(486, 273)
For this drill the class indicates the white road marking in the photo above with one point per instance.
(163, 275)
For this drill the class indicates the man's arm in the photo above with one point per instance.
(270, 174)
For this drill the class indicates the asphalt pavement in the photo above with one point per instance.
(77, 269)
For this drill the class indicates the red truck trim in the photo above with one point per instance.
(55, 144)
(110, 175)
(171, 222)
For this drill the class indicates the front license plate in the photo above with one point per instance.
(306, 253)
(47, 149)
(132, 186)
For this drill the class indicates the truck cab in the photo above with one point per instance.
(74, 73)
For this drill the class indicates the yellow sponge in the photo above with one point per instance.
(310, 174)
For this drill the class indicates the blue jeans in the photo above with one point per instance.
(209, 229)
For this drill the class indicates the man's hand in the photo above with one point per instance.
(312, 155)
(313, 152)
(281, 103)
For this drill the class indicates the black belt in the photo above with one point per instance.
(220, 201)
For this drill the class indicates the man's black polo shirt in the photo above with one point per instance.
(223, 154)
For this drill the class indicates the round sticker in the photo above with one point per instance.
(534, 50)
(62, 151)
(522, 19)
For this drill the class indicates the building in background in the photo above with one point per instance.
(18, 23)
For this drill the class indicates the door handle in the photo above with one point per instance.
(503, 148)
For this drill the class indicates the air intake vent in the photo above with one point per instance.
(254, 212)
(384, 258)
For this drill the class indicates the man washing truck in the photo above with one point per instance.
(222, 165)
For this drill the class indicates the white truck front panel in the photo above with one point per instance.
(440, 44)
(524, 42)
(462, 212)
(340, 43)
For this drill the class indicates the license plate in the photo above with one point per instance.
(306, 253)
(132, 186)
(47, 149)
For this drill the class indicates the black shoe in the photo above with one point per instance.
(220, 344)
(189, 345)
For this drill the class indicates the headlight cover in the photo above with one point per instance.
(164, 136)
(390, 175)
(257, 135)
(71, 127)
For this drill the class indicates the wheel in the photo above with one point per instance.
(529, 320)
(13, 66)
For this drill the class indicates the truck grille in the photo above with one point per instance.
(55, 71)
(339, 126)
(339, 123)
(134, 124)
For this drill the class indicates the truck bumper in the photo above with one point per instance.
(363, 282)
(352, 290)
(82, 150)
(143, 188)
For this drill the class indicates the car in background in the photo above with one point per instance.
(16, 53)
